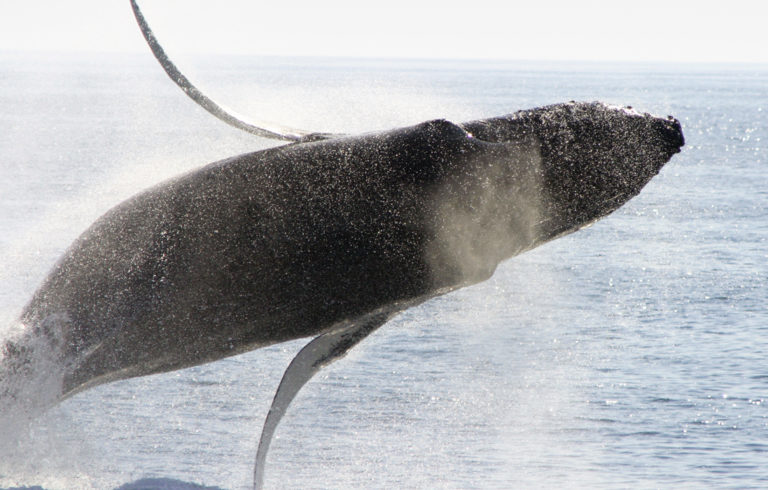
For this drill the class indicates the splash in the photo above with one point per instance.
(492, 216)
(31, 376)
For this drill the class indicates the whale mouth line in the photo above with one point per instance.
(585, 219)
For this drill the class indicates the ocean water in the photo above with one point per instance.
(633, 354)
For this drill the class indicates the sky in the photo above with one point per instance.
(569, 30)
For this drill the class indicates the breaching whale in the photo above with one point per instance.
(328, 236)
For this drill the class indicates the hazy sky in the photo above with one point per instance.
(628, 30)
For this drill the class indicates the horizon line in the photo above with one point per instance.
(384, 58)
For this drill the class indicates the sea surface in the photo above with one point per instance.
(633, 354)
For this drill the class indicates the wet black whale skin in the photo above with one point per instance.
(289, 242)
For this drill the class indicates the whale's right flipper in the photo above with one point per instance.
(320, 352)
(266, 130)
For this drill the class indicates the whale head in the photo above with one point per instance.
(546, 172)
(595, 158)
(590, 158)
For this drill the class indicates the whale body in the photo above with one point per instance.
(326, 239)
(292, 241)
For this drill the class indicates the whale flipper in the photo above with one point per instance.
(263, 129)
(319, 352)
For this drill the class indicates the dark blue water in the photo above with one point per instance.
(632, 354)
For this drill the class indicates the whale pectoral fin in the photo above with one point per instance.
(266, 130)
(319, 352)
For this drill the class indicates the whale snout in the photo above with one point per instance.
(663, 139)
(672, 132)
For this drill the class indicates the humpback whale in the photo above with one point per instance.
(327, 236)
